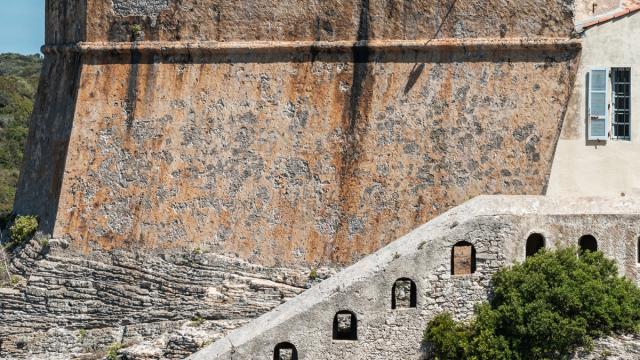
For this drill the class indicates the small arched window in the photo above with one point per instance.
(345, 326)
(535, 243)
(463, 258)
(404, 294)
(638, 250)
(285, 351)
(588, 242)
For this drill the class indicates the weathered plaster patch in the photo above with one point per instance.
(150, 8)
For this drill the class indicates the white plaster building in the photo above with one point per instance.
(598, 152)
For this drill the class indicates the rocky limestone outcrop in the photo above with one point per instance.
(619, 347)
(65, 304)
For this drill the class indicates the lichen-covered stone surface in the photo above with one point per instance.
(139, 8)
(167, 306)
(497, 226)
(620, 347)
(301, 162)
(224, 20)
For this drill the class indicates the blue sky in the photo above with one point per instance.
(21, 26)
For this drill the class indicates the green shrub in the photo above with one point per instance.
(313, 275)
(112, 351)
(196, 321)
(82, 334)
(447, 337)
(22, 229)
(44, 243)
(544, 308)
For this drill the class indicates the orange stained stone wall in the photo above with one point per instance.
(302, 159)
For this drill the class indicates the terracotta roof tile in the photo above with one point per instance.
(629, 6)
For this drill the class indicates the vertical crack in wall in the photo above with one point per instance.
(132, 88)
(355, 122)
(361, 54)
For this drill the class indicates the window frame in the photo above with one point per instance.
(614, 109)
(473, 258)
(590, 117)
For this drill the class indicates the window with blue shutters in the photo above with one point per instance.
(598, 111)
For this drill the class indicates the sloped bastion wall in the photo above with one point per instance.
(289, 133)
(496, 226)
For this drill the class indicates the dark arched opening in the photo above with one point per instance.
(535, 243)
(588, 242)
(285, 351)
(345, 326)
(404, 294)
(463, 258)
(638, 250)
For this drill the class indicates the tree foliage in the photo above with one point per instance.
(18, 83)
(544, 308)
(22, 229)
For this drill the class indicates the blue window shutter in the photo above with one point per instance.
(598, 111)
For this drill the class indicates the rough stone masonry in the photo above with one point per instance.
(497, 227)
(277, 136)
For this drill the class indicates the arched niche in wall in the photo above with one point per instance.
(404, 294)
(535, 243)
(463, 258)
(588, 242)
(345, 326)
(285, 351)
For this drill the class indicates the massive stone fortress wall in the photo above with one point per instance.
(330, 20)
(276, 169)
(293, 153)
(244, 143)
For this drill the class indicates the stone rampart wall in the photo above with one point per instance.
(329, 20)
(498, 227)
(302, 158)
(287, 155)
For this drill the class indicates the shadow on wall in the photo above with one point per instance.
(445, 54)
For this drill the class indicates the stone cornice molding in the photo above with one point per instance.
(216, 47)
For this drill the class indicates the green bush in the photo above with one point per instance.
(544, 308)
(313, 275)
(112, 351)
(22, 230)
(447, 337)
(196, 321)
